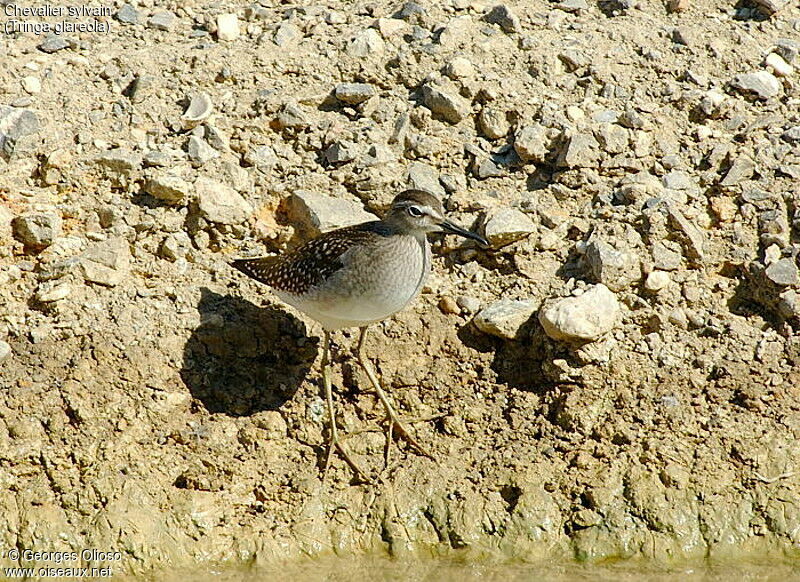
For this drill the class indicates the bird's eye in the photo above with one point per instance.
(414, 211)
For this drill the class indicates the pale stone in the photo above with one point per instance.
(228, 27)
(779, 66)
(506, 226)
(168, 188)
(48, 293)
(445, 102)
(320, 213)
(762, 83)
(31, 85)
(657, 280)
(504, 318)
(367, 43)
(107, 262)
(220, 203)
(459, 68)
(586, 317)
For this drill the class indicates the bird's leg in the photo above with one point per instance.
(333, 441)
(394, 419)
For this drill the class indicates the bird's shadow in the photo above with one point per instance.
(242, 358)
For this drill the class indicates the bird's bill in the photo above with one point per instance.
(448, 226)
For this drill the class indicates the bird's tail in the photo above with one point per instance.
(257, 268)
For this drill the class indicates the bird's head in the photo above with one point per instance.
(415, 211)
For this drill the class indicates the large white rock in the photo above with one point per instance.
(585, 317)
(320, 213)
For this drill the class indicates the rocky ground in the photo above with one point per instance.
(617, 376)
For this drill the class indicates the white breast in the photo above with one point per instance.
(376, 282)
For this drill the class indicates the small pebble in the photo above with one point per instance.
(678, 5)
(506, 226)
(200, 152)
(228, 27)
(334, 17)
(762, 84)
(503, 16)
(459, 68)
(127, 14)
(657, 280)
(353, 93)
(5, 351)
(468, 304)
(31, 85)
(505, 318)
(164, 20)
(53, 44)
(51, 293)
(779, 66)
(449, 305)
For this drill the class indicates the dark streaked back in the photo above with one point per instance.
(312, 263)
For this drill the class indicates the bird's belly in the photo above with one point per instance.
(366, 291)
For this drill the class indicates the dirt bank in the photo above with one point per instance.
(157, 403)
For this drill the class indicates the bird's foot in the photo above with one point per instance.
(398, 427)
(335, 444)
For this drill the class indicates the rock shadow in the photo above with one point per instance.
(749, 10)
(243, 358)
(518, 363)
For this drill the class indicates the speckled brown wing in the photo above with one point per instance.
(312, 263)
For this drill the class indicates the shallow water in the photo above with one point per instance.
(443, 570)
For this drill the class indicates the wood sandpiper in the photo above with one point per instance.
(356, 276)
